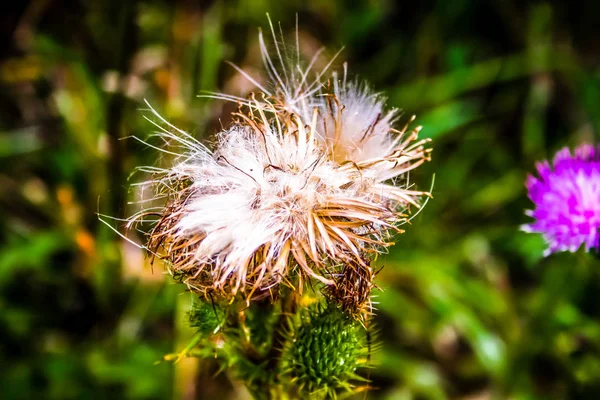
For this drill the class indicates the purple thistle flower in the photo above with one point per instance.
(567, 200)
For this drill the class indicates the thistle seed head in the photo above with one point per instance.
(309, 183)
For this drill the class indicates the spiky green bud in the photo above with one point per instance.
(206, 317)
(326, 351)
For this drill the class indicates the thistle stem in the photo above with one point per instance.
(271, 387)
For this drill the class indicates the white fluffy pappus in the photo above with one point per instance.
(308, 183)
(268, 200)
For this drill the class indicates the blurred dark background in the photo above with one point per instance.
(469, 308)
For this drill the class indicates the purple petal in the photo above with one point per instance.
(567, 199)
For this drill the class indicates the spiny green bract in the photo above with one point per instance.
(207, 318)
(327, 349)
(260, 321)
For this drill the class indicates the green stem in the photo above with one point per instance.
(272, 387)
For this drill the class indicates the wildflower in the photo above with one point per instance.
(308, 182)
(567, 200)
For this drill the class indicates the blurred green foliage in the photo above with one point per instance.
(468, 307)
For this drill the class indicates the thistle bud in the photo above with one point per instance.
(327, 349)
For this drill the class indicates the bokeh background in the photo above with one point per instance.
(469, 308)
